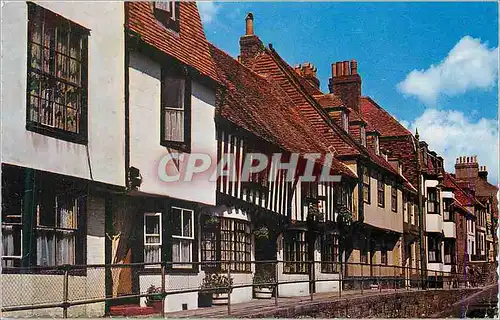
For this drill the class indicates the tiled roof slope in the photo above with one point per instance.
(257, 105)
(464, 198)
(266, 64)
(188, 46)
(393, 136)
(328, 100)
(269, 62)
(386, 124)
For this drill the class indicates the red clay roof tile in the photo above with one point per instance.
(258, 105)
(380, 119)
(189, 46)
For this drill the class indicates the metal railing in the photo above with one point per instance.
(71, 287)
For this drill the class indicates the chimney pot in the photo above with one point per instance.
(354, 67)
(340, 69)
(346, 68)
(249, 24)
(334, 70)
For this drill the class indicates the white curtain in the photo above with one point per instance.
(45, 249)
(152, 254)
(66, 248)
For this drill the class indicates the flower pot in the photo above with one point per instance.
(155, 304)
(263, 293)
(220, 298)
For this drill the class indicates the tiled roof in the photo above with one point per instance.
(261, 107)
(189, 46)
(380, 119)
(463, 197)
(328, 100)
(269, 62)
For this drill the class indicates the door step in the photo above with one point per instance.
(131, 310)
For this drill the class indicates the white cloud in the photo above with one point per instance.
(452, 134)
(469, 65)
(208, 10)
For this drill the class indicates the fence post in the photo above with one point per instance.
(163, 290)
(395, 282)
(311, 278)
(340, 281)
(379, 278)
(276, 281)
(362, 282)
(65, 291)
(229, 289)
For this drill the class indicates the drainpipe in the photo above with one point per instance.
(420, 213)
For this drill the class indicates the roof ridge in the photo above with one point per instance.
(362, 149)
(311, 100)
(210, 44)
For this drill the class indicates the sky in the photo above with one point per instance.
(433, 66)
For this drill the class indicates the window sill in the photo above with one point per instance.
(78, 138)
(179, 146)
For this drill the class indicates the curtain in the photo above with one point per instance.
(66, 247)
(45, 249)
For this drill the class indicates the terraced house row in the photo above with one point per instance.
(99, 93)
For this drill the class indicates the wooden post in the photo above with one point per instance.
(311, 279)
(163, 290)
(229, 289)
(276, 281)
(65, 291)
(362, 265)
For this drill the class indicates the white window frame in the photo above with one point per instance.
(191, 239)
(166, 5)
(345, 121)
(160, 243)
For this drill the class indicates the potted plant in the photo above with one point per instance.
(154, 298)
(219, 286)
(262, 280)
(261, 233)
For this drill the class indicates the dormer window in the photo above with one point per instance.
(376, 145)
(345, 121)
(362, 132)
(167, 12)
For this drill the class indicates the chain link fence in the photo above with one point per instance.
(79, 291)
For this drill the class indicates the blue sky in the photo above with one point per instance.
(452, 94)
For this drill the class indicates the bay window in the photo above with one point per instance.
(295, 252)
(433, 200)
(330, 253)
(227, 240)
(434, 249)
(449, 251)
(447, 210)
(49, 230)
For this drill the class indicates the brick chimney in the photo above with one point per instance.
(483, 173)
(250, 44)
(308, 72)
(466, 168)
(346, 83)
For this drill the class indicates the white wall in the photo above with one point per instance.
(145, 149)
(105, 95)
